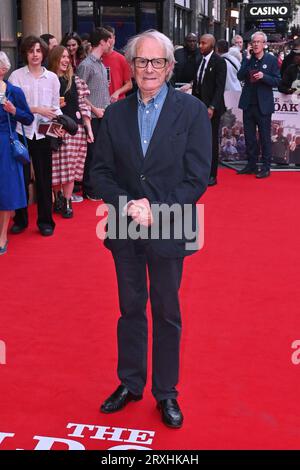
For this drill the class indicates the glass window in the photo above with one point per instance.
(149, 15)
(217, 10)
(85, 17)
(183, 3)
(204, 7)
(128, 18)
(182, 25)
(123, 19)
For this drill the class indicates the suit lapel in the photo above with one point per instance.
(210, 64)
(171, 109)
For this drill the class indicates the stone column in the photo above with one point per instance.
(41, 16)
(168, 18)
(54, 18)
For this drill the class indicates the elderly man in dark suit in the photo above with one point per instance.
(154, 153)
(209, 86)
(260, 72)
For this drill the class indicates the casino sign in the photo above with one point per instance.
(256, 11)
(272, 18)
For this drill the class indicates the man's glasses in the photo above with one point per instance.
(142, 63)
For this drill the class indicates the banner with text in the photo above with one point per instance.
(285, 130)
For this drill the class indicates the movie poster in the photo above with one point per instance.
(285, 130)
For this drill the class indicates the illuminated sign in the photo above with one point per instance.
(273, 10)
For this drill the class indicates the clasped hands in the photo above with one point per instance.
(140, 211)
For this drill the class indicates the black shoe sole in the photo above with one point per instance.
(107, 412)
(17, 232)
(173, 426)
(166, 423)
(46, 234)
(262, 177)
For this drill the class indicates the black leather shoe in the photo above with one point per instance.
(58, 202)
(263, 174)
(47, 231)
(119, 400)
(170, 412)
(67, 211)
(16, 229)
(212, 181)
(247, 170)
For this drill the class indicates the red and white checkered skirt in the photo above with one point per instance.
(68, 162)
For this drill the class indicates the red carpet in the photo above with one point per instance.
(240, 300)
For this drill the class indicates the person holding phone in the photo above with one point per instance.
(260, 73)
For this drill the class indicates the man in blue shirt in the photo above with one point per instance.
(153, 154)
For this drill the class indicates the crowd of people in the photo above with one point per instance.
(79, 79)
(82, 76)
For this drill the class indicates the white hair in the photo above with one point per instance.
(233, 40)
(260, 33)
(4, 61)
(131, 47)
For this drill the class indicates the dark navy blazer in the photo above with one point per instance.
(269, 66)
(175, 169)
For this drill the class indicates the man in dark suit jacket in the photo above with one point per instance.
(290, 82)
(187, 60)
(154, 153)
(289, 59)
(260, 72)
(209, 86)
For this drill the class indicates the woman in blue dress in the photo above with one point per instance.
(12, 188)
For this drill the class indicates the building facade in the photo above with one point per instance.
(23, 17)
(175, 18)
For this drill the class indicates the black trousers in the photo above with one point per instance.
(88, 184)
(252, 119)
(41, 156)
(164, 277)
(215, 124)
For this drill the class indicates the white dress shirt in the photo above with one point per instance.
(41, 91)
(207, 59)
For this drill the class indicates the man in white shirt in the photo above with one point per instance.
(41, 89)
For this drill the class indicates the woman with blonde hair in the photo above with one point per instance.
(13, 109)
(68, 161)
